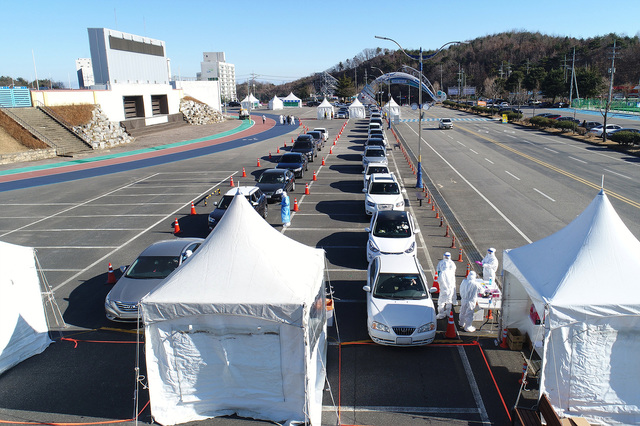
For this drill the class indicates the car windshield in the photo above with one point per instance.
(307, 138)
(271, 178)
(399, 287)
(224, 202)
(374, 153)
(378, 188)
(303, 144)
(376, 132)
(377, 169)
(316, 135)
(152, 267)
(392, 228)
(446, 120)
(288, 158)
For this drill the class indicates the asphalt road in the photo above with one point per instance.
(79, 226)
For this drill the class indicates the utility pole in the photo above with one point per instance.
(612, 71)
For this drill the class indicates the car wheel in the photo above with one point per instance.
(302, 173)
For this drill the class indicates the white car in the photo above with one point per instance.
(445, 123)
(400, 310)
(371, 169)
(391, 232)
(374, 154)
(383, 193)
(325, 133)
(610, 128)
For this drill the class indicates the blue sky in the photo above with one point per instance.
(281, 40)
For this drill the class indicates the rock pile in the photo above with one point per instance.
(102, 133)
(197, 114)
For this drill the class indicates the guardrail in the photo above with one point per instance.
(59, 150)
(51, 113)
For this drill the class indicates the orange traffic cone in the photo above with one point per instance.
(306, 189)
(524, 374)
(451, 332)
(490, 315)
(460, 255)
(295, 205)
(335, 140)
(244, 173)
(231, 181)
(453, 242)
(193, 209)
(314, 175)
(291, 141)
(436, 284)
(258, 165)
(446, 234)
(278, 150)
(437, 213)
(331, 150)
(323, 161)
(111, 276)
(269, 155)
(468, 269)
(176, 227)
(504, 343)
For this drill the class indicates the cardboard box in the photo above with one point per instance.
(515, 339)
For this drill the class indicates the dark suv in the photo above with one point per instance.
(305, 144)
(253, 194)
(318, 137)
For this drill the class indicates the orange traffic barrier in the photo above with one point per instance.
(111, 276)
(193, 209)
(176, 227)
(295, 205)
(451, 332)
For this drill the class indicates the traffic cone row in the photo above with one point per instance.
(111, 276)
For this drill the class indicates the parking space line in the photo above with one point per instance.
(407, 410)
(132, 204)
(342, 247)
(543, 194)
(87, 229)
(474, 386)
(154, 194)
(325, 229)
(74, 248)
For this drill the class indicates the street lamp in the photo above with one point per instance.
(388, 97)
(420, 58)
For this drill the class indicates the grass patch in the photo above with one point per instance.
(20, 134)
(76, 115)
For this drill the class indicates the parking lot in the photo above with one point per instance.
(79, 227)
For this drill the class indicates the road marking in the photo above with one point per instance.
(577, 159)
(489, 160)
(342, 247)
(461, 144)
(392, 409)
(543, 194)
(619, 174)
(84, 229)
(475, 152)
(74, 248)
(512, 175)
(474, 386)
(551, 150)
(154, 195)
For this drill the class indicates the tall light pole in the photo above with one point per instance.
(388, 98)
(420, 58)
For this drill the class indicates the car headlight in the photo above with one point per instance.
(426, 327)
(370, 204)
(279, 191)
(380, 327)
(411, 248)
(373, 247)
(400, 204)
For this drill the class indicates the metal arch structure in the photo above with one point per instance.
(368, 93)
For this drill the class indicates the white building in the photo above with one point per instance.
(215, 68)
(85, 73)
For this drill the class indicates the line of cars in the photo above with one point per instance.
(400, 310)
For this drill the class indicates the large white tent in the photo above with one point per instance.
(275, 103)
(23, 326)
(583, 282)
(392, 109)
(250, 101)
(292, 101)
(325, 110)
(239, 328)
(356, 109)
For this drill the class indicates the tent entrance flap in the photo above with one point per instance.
(224, 364)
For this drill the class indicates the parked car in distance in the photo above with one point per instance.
(571, 119)
(306, 144)
(391, 232)
(400, 311)
(253, 194)
(445, 123)
(624, 129)
(374, 154)
(383, 193)
(342, 113)
(318, 138)
(234, 104)
(297, 162)
(610, 128)
(152, 266)
(590, 124)
(274, 182)
(371, 169)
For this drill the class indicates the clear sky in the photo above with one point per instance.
(282, 40)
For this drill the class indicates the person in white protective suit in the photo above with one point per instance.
(447, 279)
(490, 265)
(469, 289)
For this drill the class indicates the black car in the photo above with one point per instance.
(305, 144)
(574, 120)
(294, 161)
(253, 194)
(273, 182)
(318, 138)
(234, 104)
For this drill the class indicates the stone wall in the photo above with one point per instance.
(197, 114)
(102, 133)
(31, 155)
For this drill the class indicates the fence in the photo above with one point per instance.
(629, 105)
(11, 97)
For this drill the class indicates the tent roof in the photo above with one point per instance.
(356, 103)
(291, 97)
(244, 267)
(593, 260)
(251, 98)
(392, 102)
(325, 104)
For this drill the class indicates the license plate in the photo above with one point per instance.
(403, 340)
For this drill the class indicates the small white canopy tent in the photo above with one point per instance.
(292, 101)
(239, 328)
(583, 282)
(250, 100)
(23, 326)
(393, 107)
(325, 110)
(275, 103)
(356, 109)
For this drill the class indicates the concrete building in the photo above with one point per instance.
(85, 73)
(215, 68)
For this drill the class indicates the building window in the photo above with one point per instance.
(159, 105)
(133, 106)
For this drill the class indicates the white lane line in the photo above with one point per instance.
(529, 142)
(392, 409)
(74, 248)
(475, 152)
(577, 159)
(486, 159)
(543, 194)
(461, 144)
(154, 195)
(340, 247)
(493, 206)
(326, 229)
(512, 136)
(550, 150)
(619, 174)
(512, 175)
(144, 203)
(38, 204)
(484, 417)
(83, 229)
(60, 270)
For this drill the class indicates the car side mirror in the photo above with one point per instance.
(433, 290)
(367, 230)
(123, 268)
(368, 289)
(215, 203)
(416, 231)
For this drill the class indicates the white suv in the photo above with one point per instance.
(445, 123)
(400, 310)
(391, 232)
(383, 193)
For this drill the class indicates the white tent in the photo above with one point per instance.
(325, 110)
(583, 282)
(292, 101)
(356, 109)
(393, 107)
(275, 103)
(23, 326)
(250, 101)
(239, 328)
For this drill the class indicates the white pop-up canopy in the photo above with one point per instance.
(356, 109)
(23, 326)
(239, 328)
(583, 282)
(250, 101)
(291, 101)
(275, 103)
(392, 109)
(325, 110)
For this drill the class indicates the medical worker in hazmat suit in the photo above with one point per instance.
(490, 265)
(285, 210)
(469, 289)
(447, 279)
